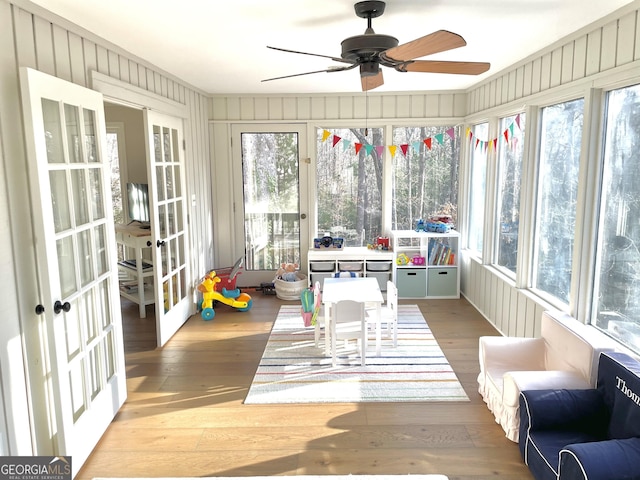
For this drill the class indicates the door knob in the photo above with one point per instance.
(39, 309)
(59, 307)
(303, 216)
(160, 243)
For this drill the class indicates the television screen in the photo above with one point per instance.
(138, 194)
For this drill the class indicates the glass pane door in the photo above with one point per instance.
(168, 208)
(79, 323)
(272, 182)
(271, 199)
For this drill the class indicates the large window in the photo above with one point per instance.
(510, 148)
(425, 174)
(617, 288)
(559, 162)
(349, 184)
(477, 186)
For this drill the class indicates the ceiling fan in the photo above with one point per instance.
(370, 50)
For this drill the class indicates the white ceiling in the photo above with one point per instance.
(219, 46)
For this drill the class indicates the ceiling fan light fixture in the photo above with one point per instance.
(369, 69)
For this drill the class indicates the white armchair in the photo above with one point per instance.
(565, 356)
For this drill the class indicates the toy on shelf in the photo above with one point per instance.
(437, 224)
(380, 243)
(418, 260)
(213, 292)
(328, 242)
(402, 259)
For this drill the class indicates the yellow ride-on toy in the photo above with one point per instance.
(213, 292)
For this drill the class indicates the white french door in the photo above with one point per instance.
(169, 222)
(79, 323)
(271, 184)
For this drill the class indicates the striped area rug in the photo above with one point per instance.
(294, 370)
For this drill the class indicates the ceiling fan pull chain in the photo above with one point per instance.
(366, 113)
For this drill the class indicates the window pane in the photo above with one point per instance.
(477, 187)
(510, 148)
(271, 199)
(617, 290)
(349, 185)
(560, 139)
(425, 179)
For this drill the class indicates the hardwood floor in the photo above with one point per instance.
(185, 416)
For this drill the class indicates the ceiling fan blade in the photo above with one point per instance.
(372, 81)
(435, 66)
(328, 70)
(335, 59)
(435, 42)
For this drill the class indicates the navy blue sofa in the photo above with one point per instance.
(589, 434)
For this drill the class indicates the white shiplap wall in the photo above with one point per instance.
(587, 54)
(32, 37)
(604, 54)
(596, 53)
(314, 111)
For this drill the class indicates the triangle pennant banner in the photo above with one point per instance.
(404, 149)
(336, 140)
(452, 133)
(392, 150)
(325, 135)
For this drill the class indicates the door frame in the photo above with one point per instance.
(119, 93)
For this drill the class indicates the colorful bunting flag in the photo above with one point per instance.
(508, 134)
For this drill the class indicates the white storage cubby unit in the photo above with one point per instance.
(324, 263)
(437, 276)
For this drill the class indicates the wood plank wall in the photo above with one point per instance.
(587, 58)
(52, 45)
(315, 111)
(594, 52)
(588, 53)
(33, 37)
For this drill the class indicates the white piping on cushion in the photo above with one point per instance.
(574, 456)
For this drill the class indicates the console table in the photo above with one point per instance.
(140, 290)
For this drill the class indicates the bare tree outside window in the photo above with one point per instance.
(271, 199)
(559, 165)
(425, 180)
(617, 288)
(509, 181)
(349, 185)
(477, 188)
